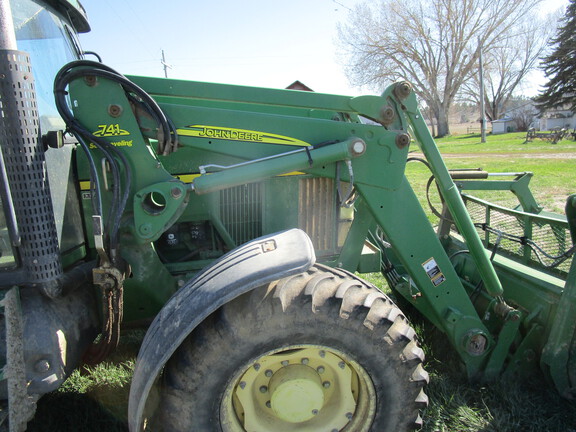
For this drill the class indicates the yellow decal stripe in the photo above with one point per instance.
(293, 173)
(231, 134)
(187, 178)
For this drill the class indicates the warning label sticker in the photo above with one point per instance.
(433, 272)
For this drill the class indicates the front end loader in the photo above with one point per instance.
(231, 222)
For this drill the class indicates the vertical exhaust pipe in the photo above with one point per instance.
(25, 164)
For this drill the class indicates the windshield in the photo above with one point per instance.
(51, 43)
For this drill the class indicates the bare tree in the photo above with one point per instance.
(524, 116)
(433, 44)
(508, 63)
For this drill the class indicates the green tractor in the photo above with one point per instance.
(231, 222)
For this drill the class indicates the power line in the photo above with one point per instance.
(343, 5)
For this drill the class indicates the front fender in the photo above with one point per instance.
(249, 266)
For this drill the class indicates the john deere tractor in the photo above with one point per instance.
(231, 223)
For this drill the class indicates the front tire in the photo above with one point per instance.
(319, 351)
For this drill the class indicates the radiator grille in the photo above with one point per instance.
(317, 212)
(241, 212)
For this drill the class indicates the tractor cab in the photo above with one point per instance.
(48, 32)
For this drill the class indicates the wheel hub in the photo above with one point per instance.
(296, 393)
(311, 388)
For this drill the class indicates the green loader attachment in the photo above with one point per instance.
(231, 222)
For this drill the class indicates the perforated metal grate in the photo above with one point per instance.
(25, 167)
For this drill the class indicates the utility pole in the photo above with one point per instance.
(165, 65)
(482, 111)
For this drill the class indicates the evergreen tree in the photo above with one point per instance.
(560, 65)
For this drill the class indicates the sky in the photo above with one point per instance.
(262, 43)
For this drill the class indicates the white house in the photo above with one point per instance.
(518, 118)
(557, 119)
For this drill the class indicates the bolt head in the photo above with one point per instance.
(90, 80)
(403, 140)
(42, 366)
(115, 110)
(176, 192)
(387, 113)
(145, 229)
(402, 89)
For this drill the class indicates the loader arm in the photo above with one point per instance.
(256, 136)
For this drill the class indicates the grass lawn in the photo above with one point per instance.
(553, 165)
(502, 143)
(95, 399)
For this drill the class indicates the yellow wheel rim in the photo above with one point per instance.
(307, 387)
